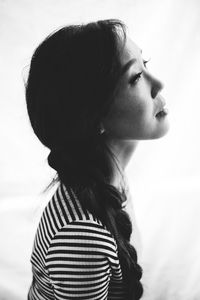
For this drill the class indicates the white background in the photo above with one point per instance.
(164, 174)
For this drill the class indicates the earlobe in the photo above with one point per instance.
(102, 129)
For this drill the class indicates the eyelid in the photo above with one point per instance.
(133, 80)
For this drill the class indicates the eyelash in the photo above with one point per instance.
(136, 77)
(145, 62)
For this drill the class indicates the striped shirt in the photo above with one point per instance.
(74, 256)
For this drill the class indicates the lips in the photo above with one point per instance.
(160, 105)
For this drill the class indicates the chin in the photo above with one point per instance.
(162, 130)
(157, 131)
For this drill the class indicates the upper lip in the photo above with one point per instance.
(160, 103)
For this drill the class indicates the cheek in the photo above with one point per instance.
(129, 116)
(131, 112)
(135, 108)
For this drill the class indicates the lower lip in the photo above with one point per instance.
(162, 114)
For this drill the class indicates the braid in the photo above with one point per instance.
(105, 201)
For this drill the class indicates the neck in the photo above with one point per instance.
(123, 150)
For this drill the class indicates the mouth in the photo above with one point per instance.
(162, 111)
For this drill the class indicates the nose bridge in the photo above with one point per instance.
(157, 86)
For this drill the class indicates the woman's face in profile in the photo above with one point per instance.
(137, 100)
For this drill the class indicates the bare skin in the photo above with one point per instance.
(133, 116)
(123, 150)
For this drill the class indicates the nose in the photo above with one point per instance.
(157, 86)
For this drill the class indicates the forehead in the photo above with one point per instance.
(130, 51)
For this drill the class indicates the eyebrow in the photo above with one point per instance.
(128, 64)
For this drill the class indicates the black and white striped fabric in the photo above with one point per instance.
(74, 256)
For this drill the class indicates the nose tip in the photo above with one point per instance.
(161, 85)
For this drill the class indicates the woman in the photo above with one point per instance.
(90, 98)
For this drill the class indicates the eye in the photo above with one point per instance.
(134, 79)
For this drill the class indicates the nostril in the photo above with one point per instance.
(154, 92)
(156, 87)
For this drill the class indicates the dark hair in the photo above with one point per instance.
(71, 86)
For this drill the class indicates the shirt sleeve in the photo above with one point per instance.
(79, 261)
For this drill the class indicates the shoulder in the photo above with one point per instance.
(81, 260)
(76, 228)
(86, 241)
(65, 208)
(86, 233)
